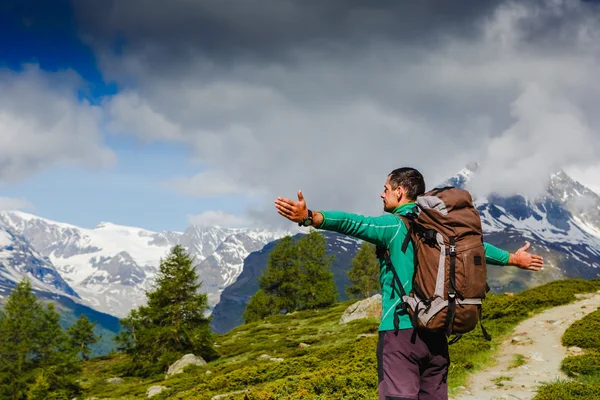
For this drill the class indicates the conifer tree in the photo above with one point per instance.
(260, 306)
(281, 278)
(317, 286)
(365, 273)
(82, 335)
(32, 341)
(172, 323)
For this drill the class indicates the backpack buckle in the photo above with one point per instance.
(452, 249)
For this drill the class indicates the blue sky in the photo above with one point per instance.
(194, 111)
(132, 191)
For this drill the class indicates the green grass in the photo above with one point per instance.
(499, 381)
(584, 333)
(517, 361)
(338, 363)
(572, 390)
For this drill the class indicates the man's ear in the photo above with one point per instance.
(400, 193)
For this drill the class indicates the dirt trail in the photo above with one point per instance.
(538, 340)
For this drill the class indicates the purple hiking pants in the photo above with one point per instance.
(410, 371)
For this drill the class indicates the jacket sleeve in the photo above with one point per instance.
(381, 230)
(494, 255)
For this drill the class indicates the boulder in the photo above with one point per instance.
(154, 390)
(225, 395)
(178, 366)
(367, 308)
(115, 381)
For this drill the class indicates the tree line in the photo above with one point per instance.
(38, 358)
(41, 360)
(298, 277)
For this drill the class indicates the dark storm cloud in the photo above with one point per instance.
(272, 28)
(256, 89)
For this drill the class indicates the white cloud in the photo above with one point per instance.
(218, 218)
(211, 183)
(516, 92)
(12, 204)
(42, 123)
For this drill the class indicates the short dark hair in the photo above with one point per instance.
(410, 179)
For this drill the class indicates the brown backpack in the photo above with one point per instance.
(449, 283)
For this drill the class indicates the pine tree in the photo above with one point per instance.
(31, 341)
(172, 323)
(281, 278)
(317, 286)
(365, 273)
(17, 341)
(82, 335)
(259, 307)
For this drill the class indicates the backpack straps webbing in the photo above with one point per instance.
(397, 286)
(486, 335)
(409, 221)
(449, 323)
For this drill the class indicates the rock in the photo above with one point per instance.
(268, 357)
(115, 381)
(536, 356)
(367, 308)
(519, 340)
(365, 335)
(178, 366)
(222, 396)
(154, 390)
(208, 372)
(303, 345)
(582, 296)
(574, 349)
(505, 397)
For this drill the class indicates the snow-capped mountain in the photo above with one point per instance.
(225, 264)
(19, 260)
(111, 266)
(562, 224)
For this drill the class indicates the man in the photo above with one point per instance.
(406, 370)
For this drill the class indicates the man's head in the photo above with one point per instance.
(403, 185)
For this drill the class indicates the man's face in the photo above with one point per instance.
(391, 198)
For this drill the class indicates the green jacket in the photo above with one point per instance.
(389, 231)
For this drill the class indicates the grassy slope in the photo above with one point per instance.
(339, 363)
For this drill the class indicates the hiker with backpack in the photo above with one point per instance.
(433, 276)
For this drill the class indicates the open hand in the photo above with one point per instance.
(293, 210)
(527, 261)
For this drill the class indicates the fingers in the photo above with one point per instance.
(300, 196)
(524, 248)
(537, 263)
(533, 268)
(283, 214)
(286, 201)
(283, 205)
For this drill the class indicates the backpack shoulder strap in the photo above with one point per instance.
(409, 221)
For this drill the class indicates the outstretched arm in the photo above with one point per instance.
(520, 259)
(380, 230)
